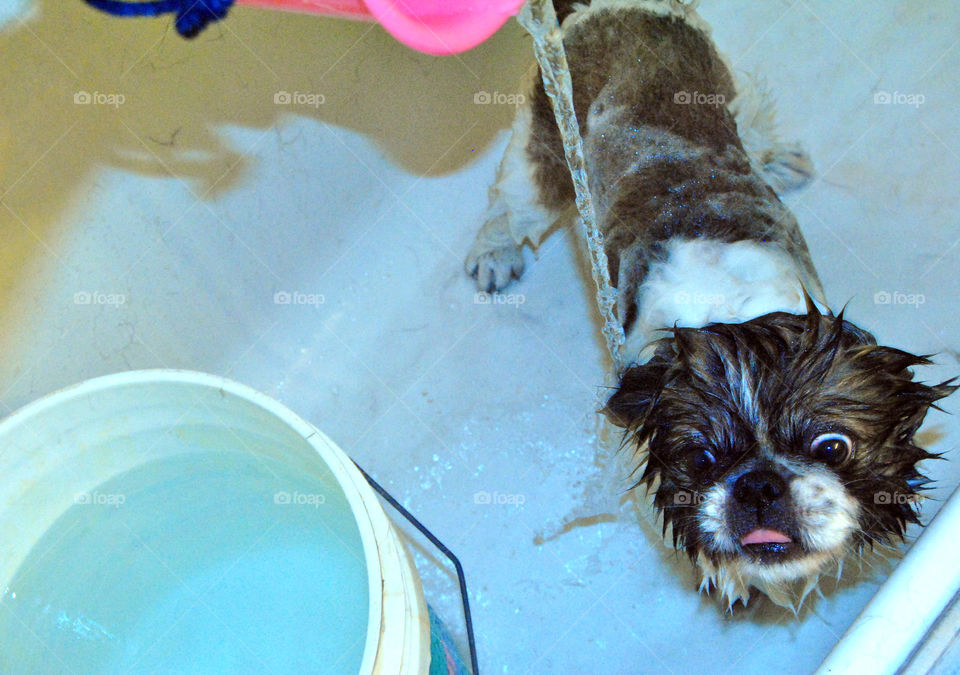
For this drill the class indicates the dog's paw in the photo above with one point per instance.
(495, 268)
(787, 167)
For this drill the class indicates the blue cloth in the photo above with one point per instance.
(192, 16)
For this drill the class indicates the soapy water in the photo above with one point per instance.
(213, 562)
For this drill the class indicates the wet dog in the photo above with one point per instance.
(776, 437)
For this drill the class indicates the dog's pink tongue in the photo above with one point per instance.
(764, 536)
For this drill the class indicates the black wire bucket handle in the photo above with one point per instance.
(461, 578)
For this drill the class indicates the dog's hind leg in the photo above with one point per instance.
(784, 166)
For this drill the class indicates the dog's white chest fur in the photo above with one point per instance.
(705, 281)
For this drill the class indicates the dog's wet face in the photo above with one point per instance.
(777, 446)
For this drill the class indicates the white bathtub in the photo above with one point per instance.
(314, 252)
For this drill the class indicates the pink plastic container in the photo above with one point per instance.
(431, 26)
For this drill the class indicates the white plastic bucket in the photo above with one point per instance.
(172, 520)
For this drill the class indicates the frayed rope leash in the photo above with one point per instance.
(539, 18)
(192, 15)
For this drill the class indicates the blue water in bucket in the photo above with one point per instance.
(203, 562)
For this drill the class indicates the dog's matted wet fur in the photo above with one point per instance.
(776, 437)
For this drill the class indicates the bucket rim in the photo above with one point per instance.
(341, 466)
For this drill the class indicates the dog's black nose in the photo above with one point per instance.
(758, 488)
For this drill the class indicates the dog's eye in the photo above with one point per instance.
(702, 460)
(831, 448)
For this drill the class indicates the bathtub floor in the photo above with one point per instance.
(187, 217)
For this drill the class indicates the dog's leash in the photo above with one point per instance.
(540, 20)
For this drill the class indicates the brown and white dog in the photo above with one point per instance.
(776, 437)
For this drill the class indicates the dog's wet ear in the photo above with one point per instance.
(913, 399)
(923, 398)
(639, 388)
